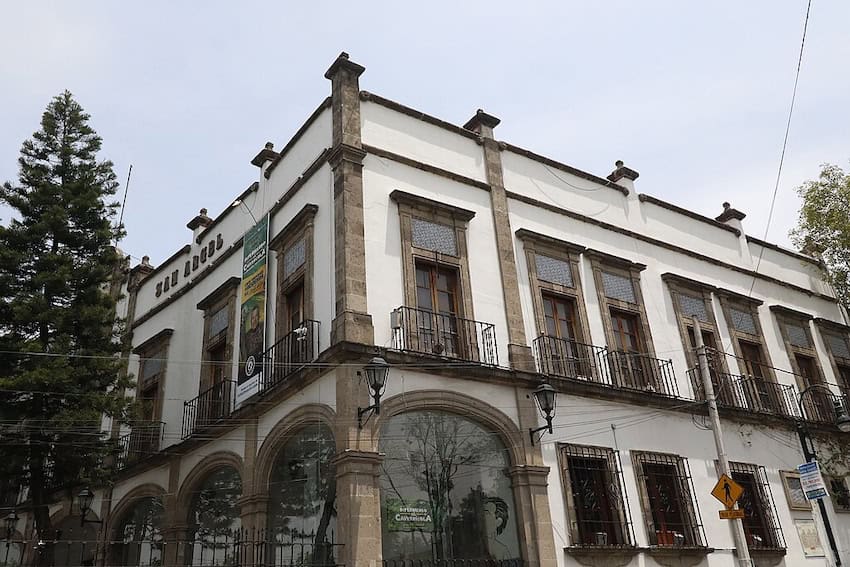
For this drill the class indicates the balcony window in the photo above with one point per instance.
(597, 505)
(293, 248)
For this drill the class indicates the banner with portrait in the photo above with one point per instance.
(252, 327)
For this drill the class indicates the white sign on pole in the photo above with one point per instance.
(811, 480)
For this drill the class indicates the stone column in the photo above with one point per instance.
(352, 321)
(530, 484)
(359, 508)
(519, 353)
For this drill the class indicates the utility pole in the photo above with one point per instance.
(705, 374)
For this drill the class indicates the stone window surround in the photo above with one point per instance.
(410, 205)
(301, 226)
(533, 244)
(833, 328)
(159, 343)
(563, 453)
(601, 261)
(689, 496)
(785, 316)
(680, 285)
(224, 296)
(730, 299)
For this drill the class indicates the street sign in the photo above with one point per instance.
(731, 514)
(727, 491)
(811, 480)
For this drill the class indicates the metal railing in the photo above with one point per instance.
(443, 334)
(211, 406)
(143, 440)
(453, 562)
(293, 351)
(616, 369)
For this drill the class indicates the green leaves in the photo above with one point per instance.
(824, 225)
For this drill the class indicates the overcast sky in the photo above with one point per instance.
(692, 95)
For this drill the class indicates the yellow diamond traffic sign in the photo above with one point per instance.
(727, 491)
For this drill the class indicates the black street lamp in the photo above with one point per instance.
(544, 396)
(842, 421)
(376, 378)
(84, 501)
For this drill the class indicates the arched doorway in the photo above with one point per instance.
(214, 520)
(136, 539)
(445, 491)
(302, 499)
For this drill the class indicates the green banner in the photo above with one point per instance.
(412, 516)
(252, 328)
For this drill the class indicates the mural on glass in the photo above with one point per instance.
(302, 500)
(138, 537)
(214, 520)
(445, 491)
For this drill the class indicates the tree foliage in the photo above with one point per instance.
(824, 225)
(59, 373)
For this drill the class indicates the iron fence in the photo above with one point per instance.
(453, 562)
(143, 439)
(209, 407)
(617, 369)
(290, 353)
(444, 334)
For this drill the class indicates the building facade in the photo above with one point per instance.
(477, 270)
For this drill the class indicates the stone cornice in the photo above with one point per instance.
(644, 198)
(159, 337)
(223, 290)
(791, 313)
(612, 260)
(423, 203)
(307, 213)
(529, 235)
(676, 279)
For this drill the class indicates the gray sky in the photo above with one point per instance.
(692, 95)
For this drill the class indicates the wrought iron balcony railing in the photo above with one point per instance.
(444, 334)
(293, 351)
(211, 406)
(616, 369)
(143, 440)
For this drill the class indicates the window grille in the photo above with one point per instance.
(433, 236)
(743, 321)
(693, 307)
(219, 321)
(553, 270)
(599, 508)
(670, 511)
(294, 258)
(839, 493)
(797, 336)
(838, 346)
(619, 287)
(760, 519)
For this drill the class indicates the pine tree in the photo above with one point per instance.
(59, 336)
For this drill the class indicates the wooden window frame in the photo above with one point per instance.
(731, 300)
(302, 226)
(609, 455)
(829, 328)
(410, 206)
(784, 317)
(223, 297)
(689, 503)
(766, 501)
(159, 343)
(568, 252)
(602, 262)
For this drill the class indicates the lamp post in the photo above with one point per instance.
(84, 501)
(544, 396)
(9, 522)
(842, 421)
(376, 378)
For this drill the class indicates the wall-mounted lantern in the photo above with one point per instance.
(544, 396)
(376, 378)
(84, 501)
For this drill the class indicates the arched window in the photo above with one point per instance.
(302, 498)
(137, 539)
(445, 491)
(214, 520)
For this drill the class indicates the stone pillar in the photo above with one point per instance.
(519, 353)
(176, 530)
(174, 549)
(352, 322)
(359, 508)
(530, 484)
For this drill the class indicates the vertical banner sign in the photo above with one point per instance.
(252, 327)
(811, 480)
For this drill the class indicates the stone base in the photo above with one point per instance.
(353, 327)
(603, 555)
(521, 358)
(673, 556)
